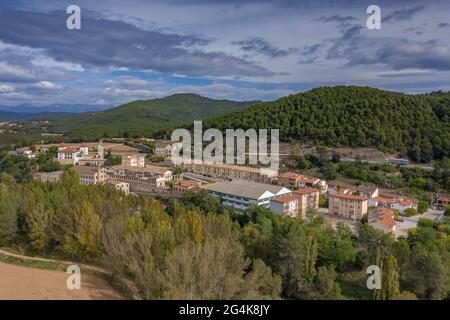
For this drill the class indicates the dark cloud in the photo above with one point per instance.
(260, 46)
(443, 25)
(310, 54)
(402, 14)
(106, 43)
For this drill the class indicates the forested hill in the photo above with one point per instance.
(416, 125)
(144, 117)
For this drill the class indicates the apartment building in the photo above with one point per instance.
(231, 172)
(133, 161)
(91, 175)
(347, 206)
(308, 198)
(242, 194)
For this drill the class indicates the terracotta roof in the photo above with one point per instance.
(286, 199)
(306, 190)
(348, 196)
(288, 175)
(306, 179)
(187, 183)
(384, 216)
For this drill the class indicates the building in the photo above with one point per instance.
(286, 205)
(443, 202)
(122, 186)
(305, 181)
(288, 179)
(367, 191)
(347, 206)
(231, 172)
(308, 199)
(133, 161)
(91, 175)
(399, 204)
(382, 219)
(242, 194)
(25, 152)
(54, 176)
(183, 185)
(163, 148)
(295, 180)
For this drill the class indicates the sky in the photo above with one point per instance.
(224, 49)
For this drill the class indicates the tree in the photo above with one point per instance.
(39, 222)
(423, 205)
(409, 212)
(329, 171)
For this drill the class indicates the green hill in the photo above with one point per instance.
(416, 125)
(144, 117)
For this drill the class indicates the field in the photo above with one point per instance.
(24, 283)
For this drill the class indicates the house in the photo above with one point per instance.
(91, 175)
(308, 199)
(230, 172)
(242, 194)
(367, 191)
(54, 176)
(382, 219)
(163, 148)
(133, 161)
(26, 152)
(347, 206)
(286, 205)
(334, 188)
(289, 179)
(122, 186)
(443, 202)
(305, 181)
(399, 204)
(183, 185)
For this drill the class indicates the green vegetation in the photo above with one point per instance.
(144, 118)
(415, 125)
(194, 248)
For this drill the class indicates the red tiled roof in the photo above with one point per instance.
(306, 190)
(288, 175)
(285, 199)
(348, 196)
(186, 183)
(306, 179)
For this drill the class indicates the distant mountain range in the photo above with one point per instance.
(16, 116)
(54, 108)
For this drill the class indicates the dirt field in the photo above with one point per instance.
(22, 283)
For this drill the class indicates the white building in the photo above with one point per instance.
(133, 161)
(91, 175)
(242, 194)
(122, 186)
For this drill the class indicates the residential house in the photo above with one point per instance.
(382, 219)
(400, 204)
(183, 185)
(347, 206)
(242, 194)
(443, 202)
(163, 148)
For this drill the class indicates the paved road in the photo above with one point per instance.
(411, 166)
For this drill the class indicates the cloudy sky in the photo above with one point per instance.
(243, 50)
